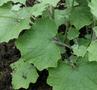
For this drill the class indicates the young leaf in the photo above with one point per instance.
(23, 74)
(37, 45)
(64, 77)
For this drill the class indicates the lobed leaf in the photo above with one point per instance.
(37, 47)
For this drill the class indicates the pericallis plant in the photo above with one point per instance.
(42, 46)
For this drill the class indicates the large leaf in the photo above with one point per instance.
(37, 47)
(23, 74)
(93, 7)
(11, 24)
(81, 19)
(92, 51)
(65, 77)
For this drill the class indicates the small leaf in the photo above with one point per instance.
(23, 74)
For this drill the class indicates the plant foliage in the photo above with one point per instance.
(35, 31)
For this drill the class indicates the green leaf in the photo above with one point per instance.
(23, 74)
(37, 47)
(11, 24)
(79, 50)
(15, 1)
(93, 7)
(92, 51)
(72, 33)
(83, 77)
(81, 19)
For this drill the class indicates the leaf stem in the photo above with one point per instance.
(62, 44)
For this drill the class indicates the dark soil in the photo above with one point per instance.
(8, 55)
